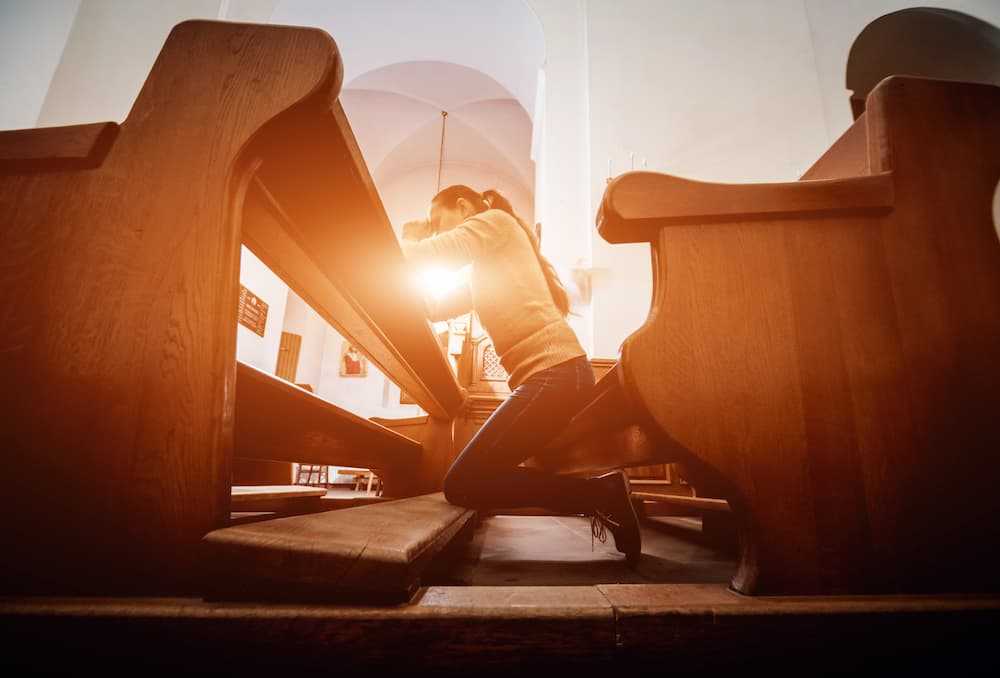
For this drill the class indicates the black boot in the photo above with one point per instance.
(616, 512)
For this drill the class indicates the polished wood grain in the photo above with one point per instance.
(317, 253)
(247, 494)
(278, 500)
(491, 630)
(120, 288)
(637, 205)
(279, 421)
(835, 373)
(698, 503)
(411, 427)
(261, 472)
(56, 148)
(847, 157)
(373, 552)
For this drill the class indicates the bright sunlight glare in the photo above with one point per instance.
(437, 282)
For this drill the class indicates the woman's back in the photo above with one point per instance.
(512, 298)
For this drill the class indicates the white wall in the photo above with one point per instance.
(111, 48)
(717, 91)
(364, 396)
(562, 148)
(32, 38)
(251, 348)
(302, 320)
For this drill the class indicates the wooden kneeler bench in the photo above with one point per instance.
(373, 553)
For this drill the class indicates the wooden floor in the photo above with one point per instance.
(519, 550)
(522, 592)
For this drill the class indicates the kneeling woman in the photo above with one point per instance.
(522, 305)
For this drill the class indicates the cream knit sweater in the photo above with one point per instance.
(507, 289)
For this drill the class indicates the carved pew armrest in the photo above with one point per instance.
(637, 204)
(74, 147)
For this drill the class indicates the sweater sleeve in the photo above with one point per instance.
(470, 240)
(454, 303)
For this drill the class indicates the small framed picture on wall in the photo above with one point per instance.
(352, 363)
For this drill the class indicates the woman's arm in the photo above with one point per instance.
(463, 244)
(417, 230)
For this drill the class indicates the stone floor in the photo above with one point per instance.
(506, 550)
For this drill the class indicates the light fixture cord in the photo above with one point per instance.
(444, 118)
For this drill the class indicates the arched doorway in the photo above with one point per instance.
(923, 41)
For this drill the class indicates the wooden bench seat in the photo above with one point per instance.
(266, 510)
(694, 503)
(369, 553)
(278, 421)
(279, 499)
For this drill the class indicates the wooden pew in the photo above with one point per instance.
(276, 499)
(825, 353)
(123, 400)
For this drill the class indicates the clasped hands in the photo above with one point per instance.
(417, 230)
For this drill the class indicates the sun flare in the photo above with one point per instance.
(437, 282)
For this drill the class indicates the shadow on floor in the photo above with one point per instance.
(556, 551)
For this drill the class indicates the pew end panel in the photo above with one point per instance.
(831, 361)
(119, 414)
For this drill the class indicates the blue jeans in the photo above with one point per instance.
(486, 474)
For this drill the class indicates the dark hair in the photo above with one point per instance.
(492, 199)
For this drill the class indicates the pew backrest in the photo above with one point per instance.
(827, 350)
(120, 262)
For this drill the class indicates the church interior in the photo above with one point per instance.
(228, 419)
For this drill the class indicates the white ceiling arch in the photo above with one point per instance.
(391, 105)
(501, 38)
(468, 147)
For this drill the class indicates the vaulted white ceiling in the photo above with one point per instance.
(501, 38)
(395, 113)
(406, 62)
